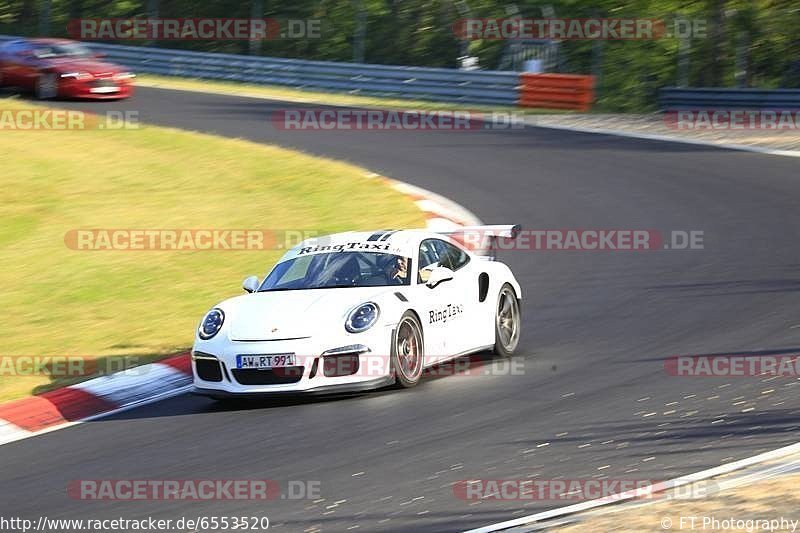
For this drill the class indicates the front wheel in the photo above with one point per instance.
(407, 351)
(507, 322)
(46, 86)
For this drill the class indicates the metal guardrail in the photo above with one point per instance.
(439, 84)
(673, 98)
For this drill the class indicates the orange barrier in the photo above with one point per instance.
(556, 91)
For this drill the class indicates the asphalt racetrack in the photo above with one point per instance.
(593, 398)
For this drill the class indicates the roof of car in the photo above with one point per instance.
(398, 242)
(44, 41)
(50, 40)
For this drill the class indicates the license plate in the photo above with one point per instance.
(265, 361)
(103, 90)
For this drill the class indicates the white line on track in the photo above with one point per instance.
(633, 494)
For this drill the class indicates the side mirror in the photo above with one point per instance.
(438, 275)
(250, 284)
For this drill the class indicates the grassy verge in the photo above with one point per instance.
(60, 301)
(288, 94)
(764, 500)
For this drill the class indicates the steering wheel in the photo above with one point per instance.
(425, 272)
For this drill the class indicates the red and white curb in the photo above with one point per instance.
(100, 396)
(441, 214)
(107, 395)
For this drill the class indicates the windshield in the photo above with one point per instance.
(61, 50)
(340, 269)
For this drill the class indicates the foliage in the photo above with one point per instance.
(758, 33)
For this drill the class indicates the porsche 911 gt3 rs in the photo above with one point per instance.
(356, 311)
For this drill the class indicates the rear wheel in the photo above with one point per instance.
(507, 322)
(46, 86)
(407, 351)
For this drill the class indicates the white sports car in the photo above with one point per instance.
(356, 311)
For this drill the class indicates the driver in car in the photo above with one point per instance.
(397, 270)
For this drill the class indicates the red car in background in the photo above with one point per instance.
(52, 68)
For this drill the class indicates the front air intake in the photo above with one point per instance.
(207, 367)
(269, 376)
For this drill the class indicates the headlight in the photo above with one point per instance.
(211, 324)
(362, 317)
(77, 75)
(124, 76)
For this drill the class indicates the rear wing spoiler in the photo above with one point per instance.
(483, 239)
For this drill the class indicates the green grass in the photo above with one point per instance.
(147, 303)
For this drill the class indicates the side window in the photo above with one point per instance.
(23, 48)
(451, 256)
(11, 48)
(428, 258)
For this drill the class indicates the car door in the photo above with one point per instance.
(4, 50)
(441, 307)
(467, 334)
(10, 64)
(20, 66)
(28, 67)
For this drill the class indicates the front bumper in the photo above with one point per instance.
(346, 363)
(97, 89)
(361, 386)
